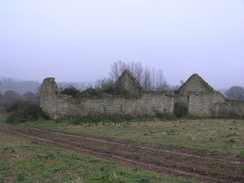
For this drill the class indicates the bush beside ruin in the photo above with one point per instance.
(25, 111)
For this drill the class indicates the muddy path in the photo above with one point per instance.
(177, 162)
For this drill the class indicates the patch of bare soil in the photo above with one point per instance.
(177, 162)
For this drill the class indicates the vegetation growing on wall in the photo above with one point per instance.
(72, 91)
(97, 92)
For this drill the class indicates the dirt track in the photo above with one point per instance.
(175, 162)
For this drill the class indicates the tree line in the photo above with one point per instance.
(235, 93)
(153, 80)
(10, 97)
(20, 87)
(149, 78)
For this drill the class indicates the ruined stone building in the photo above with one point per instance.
(195, 96)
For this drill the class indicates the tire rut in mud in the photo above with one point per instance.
(172, 161)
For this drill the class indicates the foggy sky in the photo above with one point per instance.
(77, 40)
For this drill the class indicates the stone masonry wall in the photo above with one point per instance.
(148, 103)
(196, 95)
(58, 105)
(201, 104)
(195, 84)
(48, 96)
(233, 109)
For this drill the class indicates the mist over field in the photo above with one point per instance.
(95, 129)
(79, 40)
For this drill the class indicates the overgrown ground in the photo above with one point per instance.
(3, 114)
(220, 136)
(26, 160)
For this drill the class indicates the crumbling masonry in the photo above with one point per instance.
(195, 95)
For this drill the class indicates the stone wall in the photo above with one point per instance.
(195, 84)
(229, 109)
(201, 104)
(59, 106)
(128, 83)
(197, 97)
(148, 103)
(48, 96)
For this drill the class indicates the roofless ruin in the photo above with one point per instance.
(196, 97)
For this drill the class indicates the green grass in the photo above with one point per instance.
(3, 169)
(25, 160)
(220, 136)
(31, 161)
(3, 114)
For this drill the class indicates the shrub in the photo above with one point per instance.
(113, 90)
(25, 111)
(164, 116)
(90, 93)
(72, 91)
(116, 118)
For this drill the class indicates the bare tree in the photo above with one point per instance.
(117, 68)
(176, 87)
(104, 84)
(146, 84)
(161, 83)
(150, 79)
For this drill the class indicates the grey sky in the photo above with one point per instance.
(77, 40)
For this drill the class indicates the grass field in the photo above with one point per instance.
(3, 114)
(221, 136)
(25, 160)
